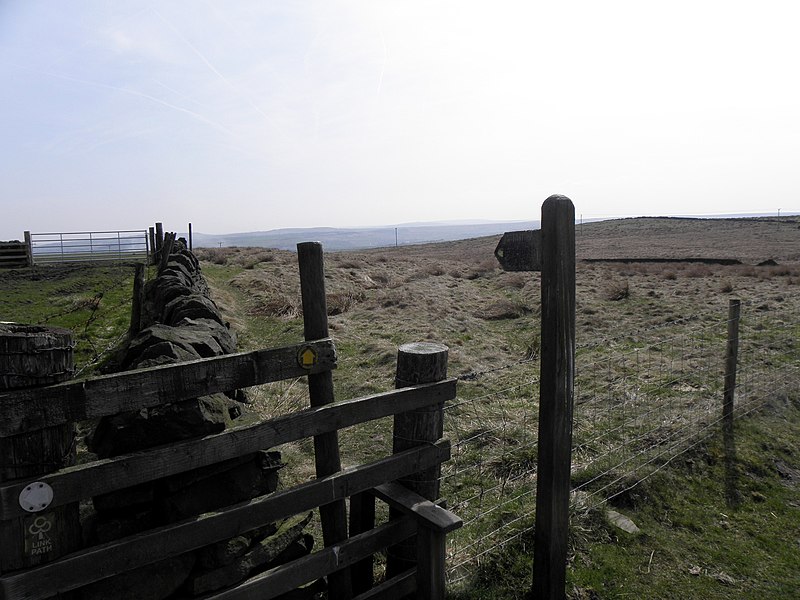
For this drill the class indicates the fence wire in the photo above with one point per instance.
(642, 399)
(489, 482)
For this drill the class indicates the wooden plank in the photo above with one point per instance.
(99, 562)
(26, 410)
(427, 514)
(102, 476)
(556, 391)
(285, 578)
(320, 389)
(400, 586)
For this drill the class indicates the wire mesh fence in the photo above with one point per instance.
(642, 399)
(490, 480)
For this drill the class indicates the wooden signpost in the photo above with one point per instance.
(551, 250)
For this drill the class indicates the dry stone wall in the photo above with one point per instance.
(179, 321)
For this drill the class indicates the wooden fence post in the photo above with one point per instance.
(556, 388)
(159, 240)
(152, 254)
(166, 250)
(137, 300)
(731, 358)
(421, 362)
(28, 249)
(190, 237)
(320, 388)
(362, 519)
(32, 356)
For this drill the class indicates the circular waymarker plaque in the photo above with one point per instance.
(36, 496)
(307, 357)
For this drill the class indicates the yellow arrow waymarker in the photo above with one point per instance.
(307, 357)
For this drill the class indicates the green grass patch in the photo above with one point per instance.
(94, 301)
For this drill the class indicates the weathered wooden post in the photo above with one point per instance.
(362, 519)
(152, 253)
(138, 300)
(421, 362)
(159, 236)
(190, 237)
(32, 356)
(166, 250)
(555, 398)
(320, 388)
(28, 248)
(731, 358)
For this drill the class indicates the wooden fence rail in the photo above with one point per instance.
(13, 254)
(32, 409)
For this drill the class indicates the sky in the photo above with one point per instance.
(250, 115)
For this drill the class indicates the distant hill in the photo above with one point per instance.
(360, 238)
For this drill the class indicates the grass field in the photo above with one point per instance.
(650, 343)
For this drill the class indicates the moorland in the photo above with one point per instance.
(692, 545)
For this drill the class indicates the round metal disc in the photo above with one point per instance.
(36, 496)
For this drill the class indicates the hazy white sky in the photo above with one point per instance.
(248, 115)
